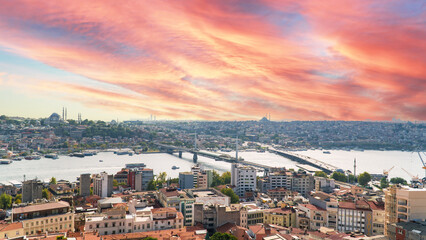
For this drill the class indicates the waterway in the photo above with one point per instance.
(68, 168)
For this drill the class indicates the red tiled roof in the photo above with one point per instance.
(312, 207)
(10, 226)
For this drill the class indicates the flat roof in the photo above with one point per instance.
(40, 207)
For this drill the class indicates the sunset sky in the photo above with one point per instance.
(214, 60)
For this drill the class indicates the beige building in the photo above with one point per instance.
(404, 204)
(378, 217)
(285, 217)
(317, 216)
(47, 217)
(11, 230)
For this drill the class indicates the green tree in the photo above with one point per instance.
(115, 183)
(18, 198)
(45, 193)
(384, 182)
(364, 178)
(161, 178)
(52, 180)
(398, 180)
(230, 193)
(5, 201)
(222, 236)
(151, 185)
(351, 178)
(338, 176)
(320, 174)
(226, 178)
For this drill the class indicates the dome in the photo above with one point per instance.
(54, 115)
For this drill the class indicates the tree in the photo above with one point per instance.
(230, 193)
(320, 174)
(222, 236)
(18, 198)
(398, 180)
(384, 182)
(5, 201)
(45, 193)
(161, 178)
(364, 178)
(52, 180)
(338, 176)
(115, 183)
(151, 185)
(226, 178)
(351, 178)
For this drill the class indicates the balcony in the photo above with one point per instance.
(402, 209)
(402, 202)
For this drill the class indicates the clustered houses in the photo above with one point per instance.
(283, 203)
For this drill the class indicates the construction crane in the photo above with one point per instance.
(386, 172)
(413, 178)
(423, 162)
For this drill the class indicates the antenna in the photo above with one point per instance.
(195, 140)
(236, 147)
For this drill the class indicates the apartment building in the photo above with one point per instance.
(11, 230)
(378, 220)
(180, 200)
(215, 215)
(404, 204)
(243, 178)
(327, 202)
(354, 216)
(31, 190)
(85, 182)
(285, 217)
(103, 184)
(300, 182)
(204, 179)
(116, 221)
(186, 180)
(39, 218)
(138, 178)
(318, 217)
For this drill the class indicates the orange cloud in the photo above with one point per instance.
(231, 59)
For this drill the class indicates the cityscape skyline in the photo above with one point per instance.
(219, 60)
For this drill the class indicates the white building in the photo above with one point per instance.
(411, 204)
(102, 185)
(142, 220)
(243, 178)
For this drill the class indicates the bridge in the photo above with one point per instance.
(303, 160)
(217, 157)
(323, 166)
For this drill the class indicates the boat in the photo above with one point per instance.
(36, 157)
(51, 155)
(175, 167)
(135, 165)
(5, 161)
(101, 160)
(17, 158)
(80, 155)
(326, 152)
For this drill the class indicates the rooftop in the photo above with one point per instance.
(40, 207)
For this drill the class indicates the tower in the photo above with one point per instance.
(65, 114)
(236, 150)
(354, 166)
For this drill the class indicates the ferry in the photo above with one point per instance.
(101, 160)
(80, 155)
(51, 155)
(174, 167)
(17, 158)
(326, 152)
(5, 161)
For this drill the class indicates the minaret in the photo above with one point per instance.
(354, 167)
(236, 149)
(65, 114)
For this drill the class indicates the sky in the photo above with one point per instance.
(214, 60)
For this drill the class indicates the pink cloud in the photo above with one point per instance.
(231, 59)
